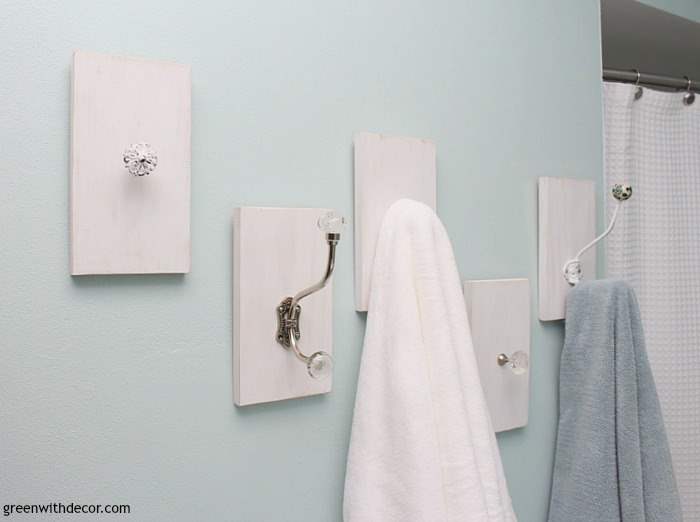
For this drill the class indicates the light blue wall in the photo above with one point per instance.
(118, 389)
(686, 8)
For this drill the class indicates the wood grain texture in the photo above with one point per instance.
(276, 253)
(386, 169)
(499, 316)
(121, 224)
(567, 222)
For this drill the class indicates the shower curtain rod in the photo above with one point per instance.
(656, 80)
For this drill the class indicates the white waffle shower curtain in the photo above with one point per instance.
(653, 144)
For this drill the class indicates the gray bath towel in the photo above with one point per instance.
(612, 458)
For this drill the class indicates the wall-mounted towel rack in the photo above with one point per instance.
(572, 269)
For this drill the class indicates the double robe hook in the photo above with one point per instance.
(319, 364)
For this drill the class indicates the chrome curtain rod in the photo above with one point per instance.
(649, 79)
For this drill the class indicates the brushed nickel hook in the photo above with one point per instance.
(319, 364)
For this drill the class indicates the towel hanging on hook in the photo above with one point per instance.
(573, 272)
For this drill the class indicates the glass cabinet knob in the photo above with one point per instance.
(518, 362)
(319, 365)
(331, 223)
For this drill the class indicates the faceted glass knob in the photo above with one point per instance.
(518, 362)
(331, 223)
(320, 365)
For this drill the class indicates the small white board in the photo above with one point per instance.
(387, 169)
(499, 317)
(567, 218)
(122, 224)
(276, 253)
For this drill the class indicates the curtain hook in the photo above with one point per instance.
(689, 96)
(639, 92)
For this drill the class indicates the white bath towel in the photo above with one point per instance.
(422, 447)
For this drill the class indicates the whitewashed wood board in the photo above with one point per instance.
(276, 253)
(121, 224)
(567, 222)
(387, 168)
(499, 317)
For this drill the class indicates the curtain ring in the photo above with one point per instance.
(639, 91)
(689, 96)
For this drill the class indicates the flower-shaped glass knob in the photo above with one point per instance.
(140, 159)
(320, 365)
(331, 223)
(518, 362)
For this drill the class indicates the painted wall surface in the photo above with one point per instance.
(118, 389)
(686, 8)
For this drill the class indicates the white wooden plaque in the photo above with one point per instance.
(276, 253)
(499, 316)
(122, 224)
(387, 169)
(567, 217)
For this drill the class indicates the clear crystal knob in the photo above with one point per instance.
(518, 362)
(331, 223)
(320, 365)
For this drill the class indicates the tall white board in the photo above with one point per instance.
(387, 168)
(120, 223)
(567, 217)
